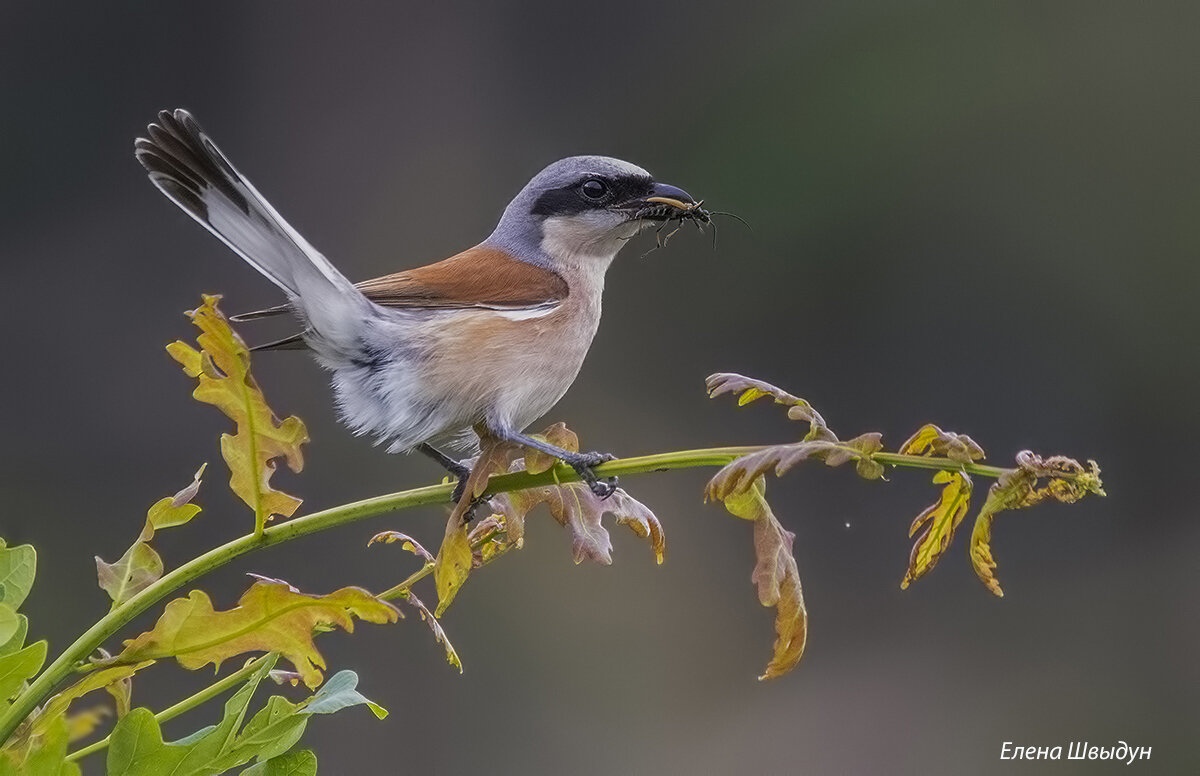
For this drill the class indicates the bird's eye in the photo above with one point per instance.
(594, 188)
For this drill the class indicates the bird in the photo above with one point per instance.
(488, 339)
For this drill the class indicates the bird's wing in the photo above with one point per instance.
(482, 277)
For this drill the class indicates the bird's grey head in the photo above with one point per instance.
(582, 209)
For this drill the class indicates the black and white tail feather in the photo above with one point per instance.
(191, 171)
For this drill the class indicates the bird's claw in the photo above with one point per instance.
(582, 463)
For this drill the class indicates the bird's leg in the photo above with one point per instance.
(449, 464)
(582, 463)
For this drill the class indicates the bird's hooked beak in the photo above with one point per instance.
(668, 203)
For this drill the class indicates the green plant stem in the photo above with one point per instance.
(187, 704)
(95, 636)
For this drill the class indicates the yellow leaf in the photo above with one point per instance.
(222, 369)
(453, 563)
(776, 575)
(931, 440)
(739, 475)
(271, 616)
(939, 520)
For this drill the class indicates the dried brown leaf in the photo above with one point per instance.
(776, 576)
(749, 389)
(578, 509)
(740, 474)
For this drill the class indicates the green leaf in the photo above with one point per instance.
(138, 749)
(10, 623)
(776, 576)
(299, 763)
(272, 616)
(18, 667)
(17, 640)
(340, 693)
(222, 369)
(18, 565)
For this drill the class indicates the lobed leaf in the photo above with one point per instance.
(222, 370)
(580, 511)
(750, 389)
(739, 475)
(776, 575)
(939, 520)
(271, 616)
(931, 440)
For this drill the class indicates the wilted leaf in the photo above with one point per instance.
(931, 440)
(18, 566)
(299, 763)
(1066, 480)
(222, 368)
(738, 475)
(270, 616)
(438, 633)
(46, 758)
(489, 540)
(940, 519)
(750, 389)
(137, 569)
(406, 543)
(453, 563)
(776, 576)
(580, 511)
(81, 724)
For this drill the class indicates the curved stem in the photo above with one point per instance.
(95, 636)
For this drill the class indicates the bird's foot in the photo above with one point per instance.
(583, 463)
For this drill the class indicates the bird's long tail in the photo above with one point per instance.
(191, 171)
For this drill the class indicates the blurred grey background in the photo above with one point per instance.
(981, 215)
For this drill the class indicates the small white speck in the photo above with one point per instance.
(847, 525)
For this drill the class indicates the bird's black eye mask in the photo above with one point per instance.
(592, 192)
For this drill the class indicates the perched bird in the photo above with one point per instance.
(492, 337)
